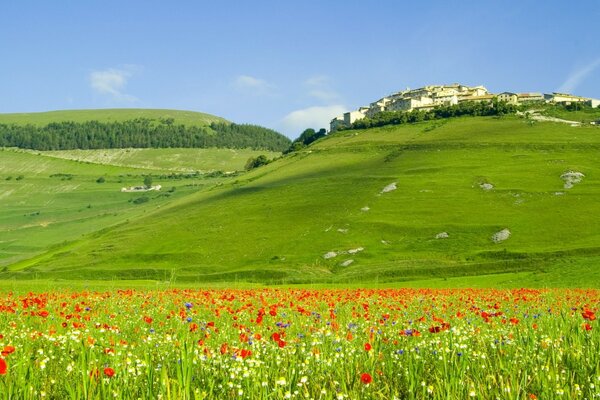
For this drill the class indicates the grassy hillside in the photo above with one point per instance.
(46, 200)
(320, 216)
(188, 118)
(183, 160)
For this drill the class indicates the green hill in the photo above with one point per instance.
(47, 198)
(324, 215)
(188, 118)
(136, 128)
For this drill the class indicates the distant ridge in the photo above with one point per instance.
(191, 118)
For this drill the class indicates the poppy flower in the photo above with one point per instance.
(224, 348)
(7, 350)
(244, 353)
(368, 346)
(589, 315)
(109, 372)
(3, 366)
(366, 378)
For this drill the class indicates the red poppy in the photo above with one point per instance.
(8, 350)
(244, 353)
(366, 378)
(147, 319)
(3, 366)
(587, 327)
(109, 372)
(224, 348)
(368, 346)
(589, 315)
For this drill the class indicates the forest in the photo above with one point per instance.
(140, 133)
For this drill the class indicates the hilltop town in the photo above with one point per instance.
(432, 96)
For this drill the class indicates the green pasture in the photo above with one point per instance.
(179, 160)
(47, 201)
(276, 224)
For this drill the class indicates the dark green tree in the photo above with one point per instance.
(256, 162)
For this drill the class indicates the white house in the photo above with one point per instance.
(352, 116)
(593, 102)
(529, 97)
(508, 97)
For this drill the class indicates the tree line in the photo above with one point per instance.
(140, 133)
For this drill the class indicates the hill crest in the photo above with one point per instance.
(184, 117)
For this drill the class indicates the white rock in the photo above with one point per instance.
(486, 186)
(389, 188)
(346, 263)
(571, 178)
(501, 236)
(342, 230)
(365, 208)
(330, 254)
(357, 250)
(442, 235)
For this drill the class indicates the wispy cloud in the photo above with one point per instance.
(319, 88)
(112, 82)
(311, 117)
(253, 85)
(578, 76)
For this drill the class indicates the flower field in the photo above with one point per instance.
(297, 343)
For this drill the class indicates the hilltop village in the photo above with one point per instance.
(431, 96)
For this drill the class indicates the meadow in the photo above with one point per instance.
(51, 198)
(320, 216)
(300, 343)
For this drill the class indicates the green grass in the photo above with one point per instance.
(586, 114)
(274, 225)
(181, 160)
(47, 201)
(192, 118)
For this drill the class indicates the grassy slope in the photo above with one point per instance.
(40, 210)
(166, 159)
(109, 115)
(275, 224)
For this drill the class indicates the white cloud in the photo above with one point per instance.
(578, 76)
(327, 96)
(320, 89)
(111, 82)
(316, 117)
(254, 85)
(317, 80)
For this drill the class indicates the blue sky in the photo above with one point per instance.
(287, 65)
